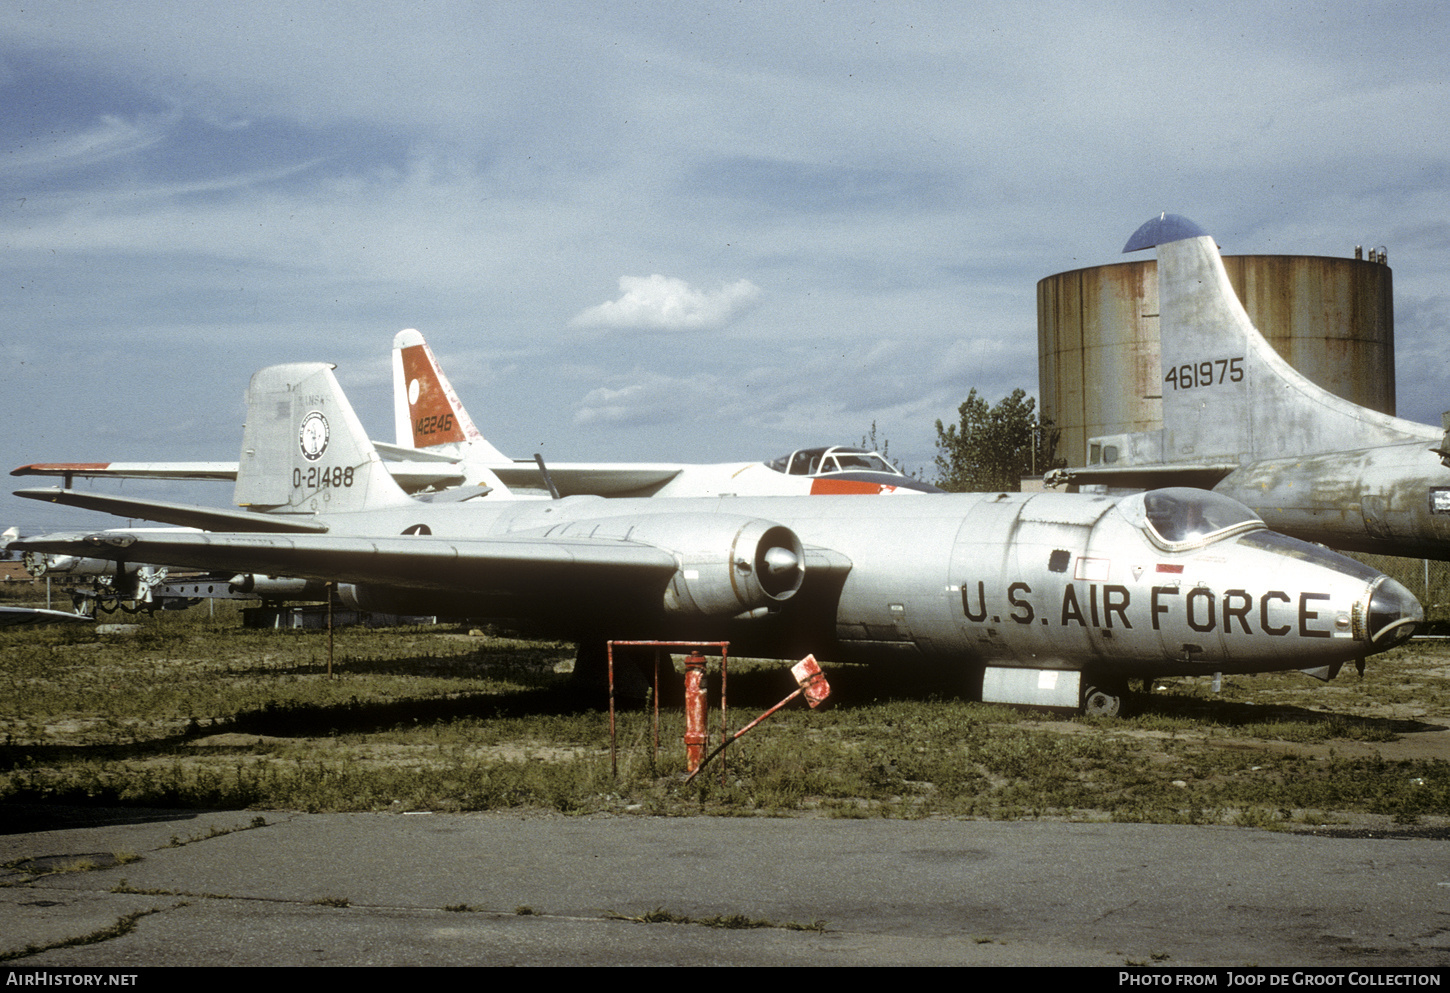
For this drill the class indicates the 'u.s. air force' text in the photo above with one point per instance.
(1107, 605)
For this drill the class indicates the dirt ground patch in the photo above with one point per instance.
(1424, 738)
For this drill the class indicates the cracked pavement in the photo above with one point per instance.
(152, 888)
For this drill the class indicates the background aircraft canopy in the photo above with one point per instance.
(836, 458)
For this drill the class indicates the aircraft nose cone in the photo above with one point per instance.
(1394, 613)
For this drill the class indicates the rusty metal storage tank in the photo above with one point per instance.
(1097, 337)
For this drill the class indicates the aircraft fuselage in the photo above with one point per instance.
(1393, 500)
(1040, 581)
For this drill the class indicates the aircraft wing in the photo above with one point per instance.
(180, 514)
(505, 564)
(517, 574)
(1142, 477)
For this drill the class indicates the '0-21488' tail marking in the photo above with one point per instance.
(322, 478)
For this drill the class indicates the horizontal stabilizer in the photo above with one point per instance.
(402, 453)
(132, 470)
(417, 470)
(1142, 477)
(413, 477)
(180, 514)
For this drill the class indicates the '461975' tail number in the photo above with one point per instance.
(321, 477)
(1195, 374)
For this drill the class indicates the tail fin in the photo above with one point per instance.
(1227, 394)
(304, 450)
(426, 411)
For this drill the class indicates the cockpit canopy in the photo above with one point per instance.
(1180, 518)
(834, 458)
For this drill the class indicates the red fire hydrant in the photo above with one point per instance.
(697, 728)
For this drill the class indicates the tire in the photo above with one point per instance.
(1103, 700)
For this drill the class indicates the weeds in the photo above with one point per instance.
(124, 925)
(195, 713)
(728, 921)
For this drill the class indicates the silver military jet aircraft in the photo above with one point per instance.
(1046, 599)
(1239, 419)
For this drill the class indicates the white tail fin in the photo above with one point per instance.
(1227, 394)
(426, 412)
(304, 450)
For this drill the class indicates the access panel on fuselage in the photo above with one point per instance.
(895, 598)
(1027, 590)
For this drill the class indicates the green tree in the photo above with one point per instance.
(883, 448)
(994, 447)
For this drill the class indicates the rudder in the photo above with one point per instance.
(426, 411)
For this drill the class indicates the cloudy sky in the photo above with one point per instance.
(661, 231)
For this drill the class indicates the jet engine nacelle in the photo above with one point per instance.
(727, 565)
(40, 564)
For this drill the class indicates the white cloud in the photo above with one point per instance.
(632, 404)
(654, 398)
(111, 137)
(663, 303)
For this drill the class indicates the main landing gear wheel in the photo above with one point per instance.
(633, 671)
(1104, 699)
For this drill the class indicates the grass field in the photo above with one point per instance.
(194, 711)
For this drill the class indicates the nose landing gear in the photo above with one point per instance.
(1104, 698)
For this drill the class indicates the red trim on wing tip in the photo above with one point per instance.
(55, 468)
